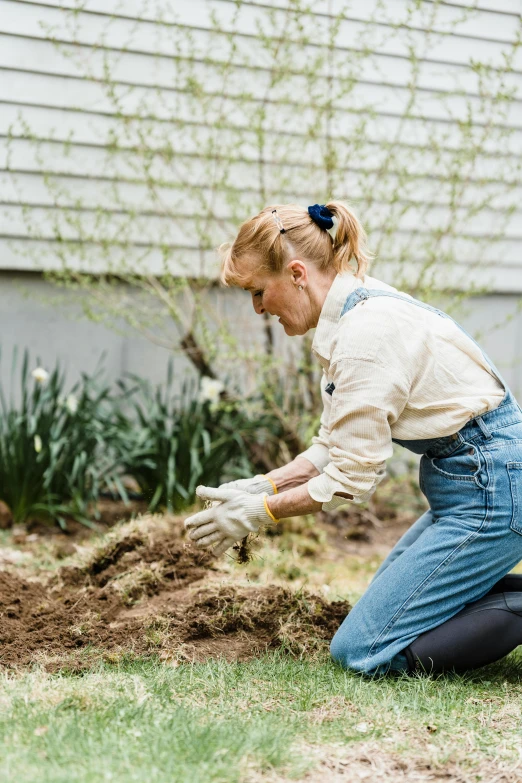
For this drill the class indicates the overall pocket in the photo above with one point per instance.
(466, 463)
(515, 477)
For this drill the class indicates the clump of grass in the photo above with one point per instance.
(122, 538)
(135, 557)
(140, 581)
(244, 551)
(270, 616)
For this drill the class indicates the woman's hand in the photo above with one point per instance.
(281, 479)
(237, 515)
(257, 485)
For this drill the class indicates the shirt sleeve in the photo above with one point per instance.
(318, 453)
(369, 397)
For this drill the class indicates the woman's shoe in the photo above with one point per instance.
(511, 583)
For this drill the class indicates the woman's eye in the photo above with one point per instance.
(258, 293)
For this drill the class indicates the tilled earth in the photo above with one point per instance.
(146, 591)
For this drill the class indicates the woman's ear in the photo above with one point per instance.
(299, 272)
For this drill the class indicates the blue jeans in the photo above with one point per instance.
(470, 537)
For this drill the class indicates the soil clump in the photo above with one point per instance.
(145, 591)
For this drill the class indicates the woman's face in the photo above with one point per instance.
(281, 297)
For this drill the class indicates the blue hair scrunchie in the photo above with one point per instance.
(321, 215)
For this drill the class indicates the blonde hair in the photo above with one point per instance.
(261, 246)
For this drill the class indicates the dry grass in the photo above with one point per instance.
(371, 762)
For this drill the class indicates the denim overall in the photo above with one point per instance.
(469, 538)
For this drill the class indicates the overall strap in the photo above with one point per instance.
(362, 293)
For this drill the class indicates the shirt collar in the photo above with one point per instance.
(342, 286)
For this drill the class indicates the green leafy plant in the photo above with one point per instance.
(59, 451)
(53, 459)
(169, 443)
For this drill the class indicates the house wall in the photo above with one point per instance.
(67, 197)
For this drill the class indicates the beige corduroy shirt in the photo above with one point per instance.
(399, 371)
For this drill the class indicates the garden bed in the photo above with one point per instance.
(145, 591)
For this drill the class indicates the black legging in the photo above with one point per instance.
(481, 633)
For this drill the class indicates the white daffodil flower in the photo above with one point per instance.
(40, 375)
(71, 403)
(37, 444)
(210, 389)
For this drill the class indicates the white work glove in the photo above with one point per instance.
(237, 515)
(257, 485)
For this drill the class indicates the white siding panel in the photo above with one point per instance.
(168, 105)
(25, 155)
(114, 195)
(39, 55)
(471, 16)
(446, 17)
(53, 92)
(179, 231)
(21, 255)
(465, 250)
(96, 128)
(512, 7)
(40, 21)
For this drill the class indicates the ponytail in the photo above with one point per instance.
(350, 240)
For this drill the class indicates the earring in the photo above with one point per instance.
(300, 287)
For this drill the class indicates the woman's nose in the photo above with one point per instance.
(258, 304)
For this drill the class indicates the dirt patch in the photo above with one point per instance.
(142, 591)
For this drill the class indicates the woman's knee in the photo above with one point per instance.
(345, 650)
(351, 651)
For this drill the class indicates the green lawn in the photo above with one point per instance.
(270, 719)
